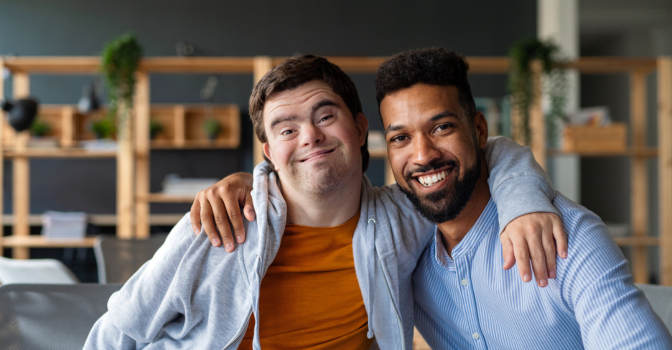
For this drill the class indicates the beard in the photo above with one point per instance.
(445, 204)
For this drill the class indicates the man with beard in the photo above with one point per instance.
(463, 299)
(329, 259)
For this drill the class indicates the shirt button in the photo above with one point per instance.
(476, 336)
(464, 282)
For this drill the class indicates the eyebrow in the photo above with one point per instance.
(445, 114)
(291, 118)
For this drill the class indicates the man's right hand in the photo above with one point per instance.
(217, 208)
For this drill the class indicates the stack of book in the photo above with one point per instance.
(64, 225)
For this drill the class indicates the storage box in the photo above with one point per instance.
(610, 138)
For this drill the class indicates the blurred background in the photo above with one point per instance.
(202, 28)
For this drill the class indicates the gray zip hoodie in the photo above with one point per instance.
(195, 296)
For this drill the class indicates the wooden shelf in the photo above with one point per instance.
(168, 198)
(59, 153)
(37, 241)
(102, 219)
(632, 152)
(195, 144)
(378, 153)
(637, 241)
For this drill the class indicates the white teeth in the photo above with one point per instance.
(432, 179)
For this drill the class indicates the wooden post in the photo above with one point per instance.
(638, 183)
(262, 64)
(665, 166)
(179, 120)
(125, 159)
(21, 173)
(537, 122)
(67, 127)
(389, 175)
(2, 154)
(142, 144)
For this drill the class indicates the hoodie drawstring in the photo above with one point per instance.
(371, 265)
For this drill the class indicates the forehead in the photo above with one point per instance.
(300, 98)
(419, 102)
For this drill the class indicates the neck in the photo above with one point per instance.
(324, 210)
(455, 230)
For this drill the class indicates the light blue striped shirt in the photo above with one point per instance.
(470, 302)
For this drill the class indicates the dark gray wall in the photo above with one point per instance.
(226, 28)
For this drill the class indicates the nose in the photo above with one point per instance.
(311, 135)
(424, 151)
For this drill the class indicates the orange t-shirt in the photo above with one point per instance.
(310, 297)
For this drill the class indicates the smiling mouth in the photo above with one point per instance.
(431, 179)
(316, 154)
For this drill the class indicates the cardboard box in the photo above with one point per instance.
(610, 138)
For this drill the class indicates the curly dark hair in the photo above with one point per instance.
(431, 66)
(294, 72)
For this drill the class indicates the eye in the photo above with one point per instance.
(325, 118)
(399, 138)
(286, 132)
(443, 127)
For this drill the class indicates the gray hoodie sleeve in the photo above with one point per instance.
(517, 183)
(137, 312)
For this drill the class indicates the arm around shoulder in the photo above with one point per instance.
(518, 184)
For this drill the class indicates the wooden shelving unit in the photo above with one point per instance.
(133, 196)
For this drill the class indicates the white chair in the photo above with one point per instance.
(40, 271)
(660, 298)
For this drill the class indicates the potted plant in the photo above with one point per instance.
(520, 84)
(40, 128)
(119, 62)
(104, 128)
(155, 127)
(212, 128)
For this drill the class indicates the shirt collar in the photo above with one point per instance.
(486, 224)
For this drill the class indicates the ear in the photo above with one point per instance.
(481, 129)
(362, 127)
(267, 152)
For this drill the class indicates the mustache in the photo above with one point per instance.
(435, 165)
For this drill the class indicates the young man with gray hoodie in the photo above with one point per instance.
(328, 261)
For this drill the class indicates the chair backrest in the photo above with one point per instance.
(50, 316)
(118, 259)
(660, 298)
(35, 271)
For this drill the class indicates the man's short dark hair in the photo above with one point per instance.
(431, 66)
(294, 72)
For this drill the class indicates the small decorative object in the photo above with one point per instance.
(119, 63)
(155, 127)
(185, 49)
(21, 113)
(104, 128)
(40, 128)
(212, 128)
(89, 101)
(521, 83)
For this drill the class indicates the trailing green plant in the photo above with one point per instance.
(212, 128)
(39, 128)
(103, 128)
(155, 127)
(521, 84)
(119, 62)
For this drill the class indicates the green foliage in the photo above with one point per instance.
(155, 127)
(40, 128)
(520, 83)
(119, 62)
(104, 128)
(212, 128)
